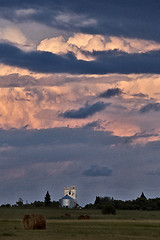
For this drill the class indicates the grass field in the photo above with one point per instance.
(125, 225)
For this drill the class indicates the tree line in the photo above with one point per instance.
(141, 203)
(104, 203)
(46, 203)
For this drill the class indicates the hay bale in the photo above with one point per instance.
(67, 215)
(27, 222)
(81, 217)
(39, 221)
(34, 221)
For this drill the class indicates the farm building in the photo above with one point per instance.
(70, 198)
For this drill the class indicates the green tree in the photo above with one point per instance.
(19, 202)
(47, 200)
(109, 209)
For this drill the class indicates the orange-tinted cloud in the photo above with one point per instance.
(79, 43)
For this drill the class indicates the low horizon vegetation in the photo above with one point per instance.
(141, 203)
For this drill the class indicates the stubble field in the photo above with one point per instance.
(125, 225)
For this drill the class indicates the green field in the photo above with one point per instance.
(125, 225)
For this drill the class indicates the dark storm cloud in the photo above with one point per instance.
(111, 92)
(22, 147)
(134, 18)
(98, 171)
(86, 111)
(106, 62)
(149, 107)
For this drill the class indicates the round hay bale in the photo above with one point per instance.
(39, 221)
(81, 217)
(34, 221)
(67, 215)
(27, 222)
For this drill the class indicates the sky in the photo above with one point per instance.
(79, 99)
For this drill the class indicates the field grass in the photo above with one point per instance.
(125, 225)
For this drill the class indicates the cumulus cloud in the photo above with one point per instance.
(131, 45)
(98, 171)
(25, 101)
(12, 34)
(86, 111)
(111, 93)
(149, 107)
(80, 44)
(58, 45)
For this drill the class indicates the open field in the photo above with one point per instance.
(125, 225)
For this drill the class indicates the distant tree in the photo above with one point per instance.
(143, 196)
(47, 200)
(6, 205)
(37, 204)
(19, 202)
(98, 200)
(142, 202)
(90, 206)
(55, 204)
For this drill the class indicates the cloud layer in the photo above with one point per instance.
(106, 62)
(81, 157)
(129, 19)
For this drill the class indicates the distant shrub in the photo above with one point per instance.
(109, 209)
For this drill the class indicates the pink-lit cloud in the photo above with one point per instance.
(79, 43)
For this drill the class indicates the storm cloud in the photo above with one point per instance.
(111, 92)
(57, 55)
(61, 156)
(136, 19)
(106, 62)
(86, 111)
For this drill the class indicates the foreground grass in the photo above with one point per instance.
(126, 225)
